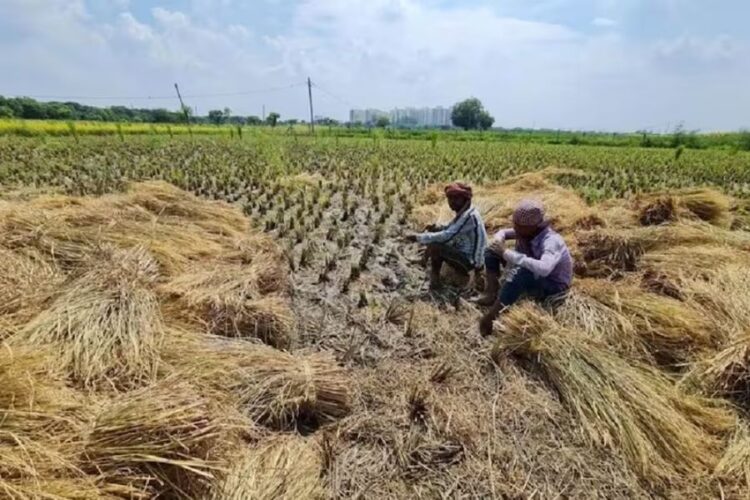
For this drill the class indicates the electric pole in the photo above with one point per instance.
(309, 93)
(184, 109)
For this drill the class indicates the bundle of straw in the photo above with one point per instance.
(661, 431)
(283, 467)
(727, 372)
(106, 326)
(671, 330)
(660, 210)
(584, 313)
(232, 299)
(157, 440)
(704, 204)
(272, 387)
(735, 464)
(708, 205)
(608, 253)
(26, 281)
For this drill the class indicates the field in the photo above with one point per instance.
(236, 317)
(726, 141)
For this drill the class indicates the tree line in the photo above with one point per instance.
(26, 108)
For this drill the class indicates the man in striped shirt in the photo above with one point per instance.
(460, 244)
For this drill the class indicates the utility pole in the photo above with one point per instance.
(309, 93)
(264, 112)
(184, 109)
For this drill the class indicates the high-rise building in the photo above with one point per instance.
(409, 117)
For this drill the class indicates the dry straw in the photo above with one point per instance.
(282, 467)
(106, 326)
(669, 329)
(158, 439)
(272, 387)
(704, 204)
(627, 405)
(233, 299)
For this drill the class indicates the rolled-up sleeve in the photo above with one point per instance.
(553, 251)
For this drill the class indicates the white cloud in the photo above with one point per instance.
(604, 22)
(382, 53)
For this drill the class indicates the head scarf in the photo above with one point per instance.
(459, 189)
(529, 213)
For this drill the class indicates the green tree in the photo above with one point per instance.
(6, 112)
(273, 118)
(382, 122)
(216, 116)
(254, 120)
(470, 115)
(485, 120)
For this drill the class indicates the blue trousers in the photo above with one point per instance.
(521, 282)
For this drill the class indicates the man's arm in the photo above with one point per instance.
(505, 234)
(481, 243)
(443, 235)
(543, 267)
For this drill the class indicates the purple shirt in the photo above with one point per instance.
(546, 255)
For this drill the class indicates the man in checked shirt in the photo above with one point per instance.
(541, 265)
(461, 244)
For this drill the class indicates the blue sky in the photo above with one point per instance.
(573, 64)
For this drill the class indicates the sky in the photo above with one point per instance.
(616, 65)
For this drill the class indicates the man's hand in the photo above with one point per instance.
(497, 246)
(411, 238)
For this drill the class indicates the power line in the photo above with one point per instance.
(334, 96)
(165, 97)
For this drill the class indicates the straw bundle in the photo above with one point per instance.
(176, 227)
(661, 431)
(26, 281)
(708, 205)
(584, 313)
(157, 440)
(722, 297)
(106, 325)
(735, 464)
(704, 204)
(671, 330)
(692, 261)
(272, 387)
(231, 299)
(37, 427)
(608, 253)
(284, 467)
(726, 373)
(660, 210)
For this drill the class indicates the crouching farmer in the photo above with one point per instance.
(541, 265)
(460, 244)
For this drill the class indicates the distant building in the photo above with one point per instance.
(409, 117)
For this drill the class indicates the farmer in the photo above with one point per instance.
(541, 264)
(460, 244)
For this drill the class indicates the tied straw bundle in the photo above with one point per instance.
(631, 406)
